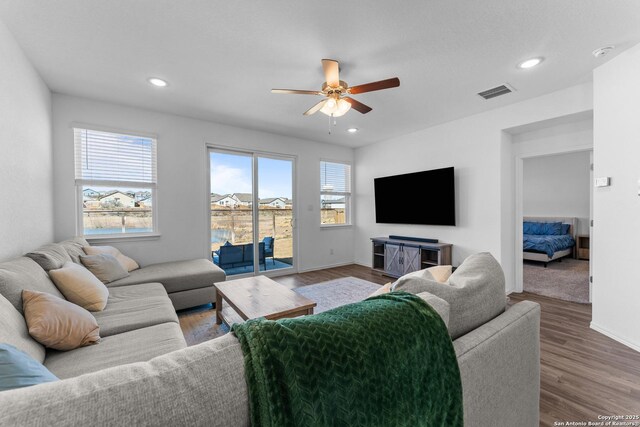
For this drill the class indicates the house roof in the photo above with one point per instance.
(219, 197)
(111, 193)
(244, 197)
(268, 200)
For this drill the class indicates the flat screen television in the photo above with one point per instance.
(400, 198)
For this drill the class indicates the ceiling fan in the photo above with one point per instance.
(337, 102)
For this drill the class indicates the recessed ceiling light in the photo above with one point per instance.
(529, 63)
(352, 130)
(157, 82)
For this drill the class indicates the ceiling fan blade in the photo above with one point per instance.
(315, 108)
(370, 87)
(331, 69)
(297, 92)
(357, 105)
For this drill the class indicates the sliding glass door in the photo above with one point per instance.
(252, 222)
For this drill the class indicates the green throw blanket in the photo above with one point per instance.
(385, 361)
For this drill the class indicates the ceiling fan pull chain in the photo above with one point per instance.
(330, 123)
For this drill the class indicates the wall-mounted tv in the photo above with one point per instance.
(426, 197)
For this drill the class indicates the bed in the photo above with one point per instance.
(546, 239)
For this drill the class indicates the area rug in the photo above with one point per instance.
(337, 292)
(567, 280)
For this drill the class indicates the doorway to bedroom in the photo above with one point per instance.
(557, 212)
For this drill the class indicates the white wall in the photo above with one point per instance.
(558, 185)
(482, 154)
(26, 212)
(616, 209)
(182, 180)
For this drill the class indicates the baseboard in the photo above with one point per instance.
(340, 264)
(613, 336)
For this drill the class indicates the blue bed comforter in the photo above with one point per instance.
(547, 244)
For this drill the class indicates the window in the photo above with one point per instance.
(335, 193)
(116, 183)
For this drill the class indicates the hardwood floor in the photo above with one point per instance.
(583, 373)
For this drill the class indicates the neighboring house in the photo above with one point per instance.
(90, 194)
(91, 204)
(117, 199)
(145, 203)
(274, 202)
(225, 200)
(142, 195)
(244, 199)
(334, 204)
(288, 203)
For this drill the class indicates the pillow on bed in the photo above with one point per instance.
(566, 228)
(542, 228)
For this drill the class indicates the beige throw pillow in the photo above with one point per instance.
(58, 324)
(384, 289)
(440, 273)
(105, 267)
(127, 263)
(80, 286)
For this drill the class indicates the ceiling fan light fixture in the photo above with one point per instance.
(335, 108)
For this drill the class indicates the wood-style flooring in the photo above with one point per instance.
(583, 373)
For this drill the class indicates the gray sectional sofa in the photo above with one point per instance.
(138, 323)
(205, 385)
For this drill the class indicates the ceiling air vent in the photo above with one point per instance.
(496, 91)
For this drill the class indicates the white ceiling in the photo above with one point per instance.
(221, 58)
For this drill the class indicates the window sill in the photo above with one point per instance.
(106, 238)
(330, 226)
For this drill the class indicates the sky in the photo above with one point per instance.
(231, 173)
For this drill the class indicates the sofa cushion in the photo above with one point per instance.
(125, 316)
(13, 330)
(105, 267)
(57, 323)
(50, 256)
(80, 286)
(140, 345)
(127, 263)
(133, 292)
(476, 292)
(176, 275)
(74, 248)
(24, 273)
(18, 369)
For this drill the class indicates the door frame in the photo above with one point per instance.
(255, 154)
(519, 215)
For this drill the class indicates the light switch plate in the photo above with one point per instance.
(604, 181)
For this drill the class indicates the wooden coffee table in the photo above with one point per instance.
(258, 296)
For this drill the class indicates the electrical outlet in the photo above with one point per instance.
(604, 181)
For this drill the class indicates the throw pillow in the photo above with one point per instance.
(384, 289)
(18, 369)
(74, 248)
(58, 324)
(80, 286)
(105, 267)
(50, 256)
(127, 263)
(438, 273)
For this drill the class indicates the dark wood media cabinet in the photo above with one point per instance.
(395, 257)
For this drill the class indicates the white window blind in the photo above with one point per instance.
(106, 158)
(335, 178)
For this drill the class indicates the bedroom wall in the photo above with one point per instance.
(616, 209)
(558, 185)
(482, 153)
(26, 216)
(182, 200)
